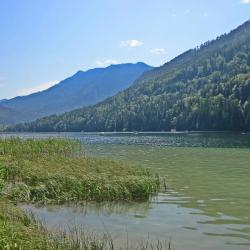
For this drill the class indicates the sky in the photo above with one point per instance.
(45, 41)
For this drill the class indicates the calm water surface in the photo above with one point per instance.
(206, 206)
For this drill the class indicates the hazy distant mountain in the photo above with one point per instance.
(206, 88)
(11, 116)
(79, 90)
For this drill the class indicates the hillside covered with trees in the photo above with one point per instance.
(206, 88)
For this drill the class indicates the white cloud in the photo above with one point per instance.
(106, 62)
(157, 51)
(245, 1)
(131, 43)
(187, 11)
(37, 88)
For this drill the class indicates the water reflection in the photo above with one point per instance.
(162, 218)
(102, 208)
(206, 205)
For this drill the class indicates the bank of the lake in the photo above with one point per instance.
(206, 205)
(57, 171)
(52, 170)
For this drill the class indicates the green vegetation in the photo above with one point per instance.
(206, 88)
(22, 232)
(18, 231)
(54, 170)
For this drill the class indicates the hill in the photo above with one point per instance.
(11, 116)
(81, 89)
(206, 88)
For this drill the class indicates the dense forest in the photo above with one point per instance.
(206, 88)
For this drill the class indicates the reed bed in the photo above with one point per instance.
(56, 170)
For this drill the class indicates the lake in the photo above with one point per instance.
(207, 202)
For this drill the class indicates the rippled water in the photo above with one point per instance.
(179, 139)
(207, 205)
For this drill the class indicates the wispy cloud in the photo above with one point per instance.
(131, 43)
(37, 88)
(245, 1)
(106, 62)
(157, 51)
(187, 11)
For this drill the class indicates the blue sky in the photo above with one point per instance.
(44, 41)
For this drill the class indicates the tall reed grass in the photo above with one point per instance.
(56, 170)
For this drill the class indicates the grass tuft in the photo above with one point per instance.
(56, 170)
(20, 231)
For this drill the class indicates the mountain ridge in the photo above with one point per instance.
(10, 116)
(84, 88)
(206, 88)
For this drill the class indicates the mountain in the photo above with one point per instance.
(79, 90)
(206, 88)
(11, 116)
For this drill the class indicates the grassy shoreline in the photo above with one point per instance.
(23, 232)
(56, 171)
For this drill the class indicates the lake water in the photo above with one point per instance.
(206, 206)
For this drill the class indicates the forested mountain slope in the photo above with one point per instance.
(79, 90)
(206, 88)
